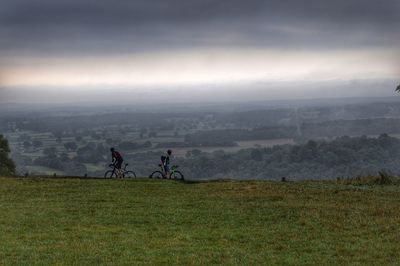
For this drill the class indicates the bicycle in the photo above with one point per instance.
(113, 173)
(174, 174)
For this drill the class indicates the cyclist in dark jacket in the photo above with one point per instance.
(117, 161)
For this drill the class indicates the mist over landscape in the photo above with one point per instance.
(295, 139)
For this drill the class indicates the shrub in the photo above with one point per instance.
(7, 166)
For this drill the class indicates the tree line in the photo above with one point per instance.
(342, 157)
(321, 159)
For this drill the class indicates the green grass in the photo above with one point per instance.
(113, 222)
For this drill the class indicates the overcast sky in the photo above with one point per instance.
(253, 48)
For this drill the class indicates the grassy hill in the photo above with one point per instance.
(106, 222)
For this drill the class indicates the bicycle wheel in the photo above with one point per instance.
(177, 175)
(129, 174)
(109, 174)
(156, 175)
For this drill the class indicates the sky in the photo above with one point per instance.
(197, 50)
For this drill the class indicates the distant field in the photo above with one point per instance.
(264, 143)
(113, 222)
(241, 145)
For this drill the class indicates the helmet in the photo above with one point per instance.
(112, 149)
(169, 152)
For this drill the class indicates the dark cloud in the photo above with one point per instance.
(75, 26)
(120, 12)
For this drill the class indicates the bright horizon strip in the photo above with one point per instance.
(216, 66)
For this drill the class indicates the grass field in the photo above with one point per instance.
(114, 222)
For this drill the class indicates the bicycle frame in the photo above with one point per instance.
(123, 170)
(174, 173)
(122, 173)
(172, 169)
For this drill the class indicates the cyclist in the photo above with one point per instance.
(117, 161)
(165, 163)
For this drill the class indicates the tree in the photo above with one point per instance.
(256, 155)
(37, 143)
(50, 152)
(57, 134)
(147, 144)
(153, 134)
(27, 144)
(91, 153)
(7, 166)
(70, 146)
(143, 131)
(24, 137)
(64, 157)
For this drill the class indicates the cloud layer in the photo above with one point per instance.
(90, 26)
(144, 43)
